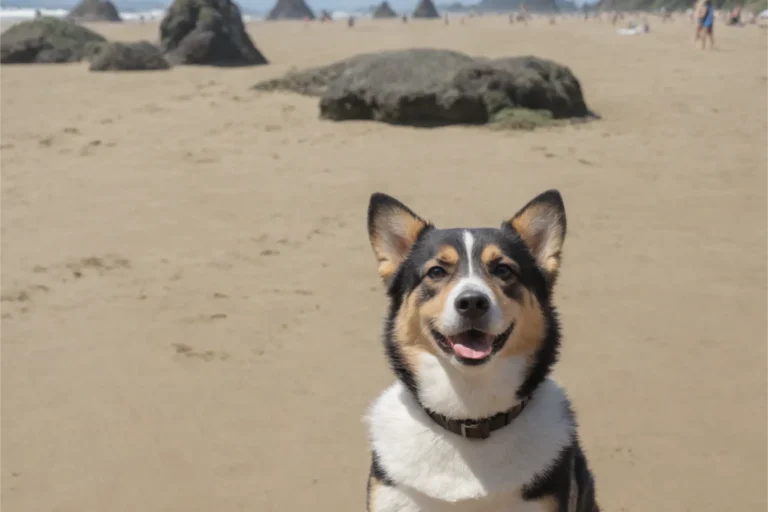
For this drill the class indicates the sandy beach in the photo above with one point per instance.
(190, 307)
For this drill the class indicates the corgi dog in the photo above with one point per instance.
(473, 422)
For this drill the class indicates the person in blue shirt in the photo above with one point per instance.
(705, 21)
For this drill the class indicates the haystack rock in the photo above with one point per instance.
(48, 40)
(384, 11)
(426, 9)
(94, 10)
(291, 10)
(207, 32)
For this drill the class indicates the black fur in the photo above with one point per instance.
(556, 481)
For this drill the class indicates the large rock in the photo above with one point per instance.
(207, 32)
(48, 40)
(384, 11)
(426, 9)
(140, 56)
(437, 87)
(291, 10)
(94, 10)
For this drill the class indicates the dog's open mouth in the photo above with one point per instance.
(473, 347)
(472, 344)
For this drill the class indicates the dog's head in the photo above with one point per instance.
(469, 296)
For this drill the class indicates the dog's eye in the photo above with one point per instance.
(503, 272)
(436, 272)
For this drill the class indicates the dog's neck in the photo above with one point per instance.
(469, 393)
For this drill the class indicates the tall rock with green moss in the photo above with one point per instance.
(208, 32)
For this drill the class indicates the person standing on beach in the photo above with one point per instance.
(705, 22)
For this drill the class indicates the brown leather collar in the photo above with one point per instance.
(479, 429)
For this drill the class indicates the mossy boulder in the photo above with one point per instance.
(429, 87)
(208, 32)
(48, 40)
(140, 56)
(94, 10)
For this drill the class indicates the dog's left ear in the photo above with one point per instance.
(541, 225)
(393, 229)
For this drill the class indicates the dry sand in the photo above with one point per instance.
(191, 311)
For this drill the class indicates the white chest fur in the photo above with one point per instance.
(436, 470)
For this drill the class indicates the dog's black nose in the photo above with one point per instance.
(472, 305)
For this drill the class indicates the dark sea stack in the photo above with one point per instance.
(94, 10)
(48, 40)
(426, 10)
(291, 10)
(207, 32)
(139, 56)
(384, 11)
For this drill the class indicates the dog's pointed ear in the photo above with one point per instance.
(393, 229)
(541, 225)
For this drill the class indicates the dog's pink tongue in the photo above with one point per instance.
(471, 345)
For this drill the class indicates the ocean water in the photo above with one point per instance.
(10, 15)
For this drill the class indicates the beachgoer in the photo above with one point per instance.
(705, 21)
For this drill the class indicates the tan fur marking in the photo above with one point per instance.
(549, 504)
(528, 317)
(413, 324)
(447, 255)
(393, 235)
(541, 231)
(410, 332)
(491, 253)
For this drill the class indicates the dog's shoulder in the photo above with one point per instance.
(411, 448)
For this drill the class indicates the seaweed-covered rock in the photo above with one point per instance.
(207, 32)
(437, 87)
(47, 40)
(140, 56)
(291, 10)
(426, 9)
(94, 10)
(384, 11)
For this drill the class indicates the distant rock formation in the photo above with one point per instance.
(207, 32)
(291, 10)
(546, 6)
(94, 10)
(426, 9)
(384, 11)
(437, 87)
(48, 40)
(140, 56)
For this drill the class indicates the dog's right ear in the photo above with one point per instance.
(393, 229)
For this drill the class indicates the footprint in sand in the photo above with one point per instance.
(185, 350)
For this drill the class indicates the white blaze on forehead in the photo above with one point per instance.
(469, 241)
(450, 321)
